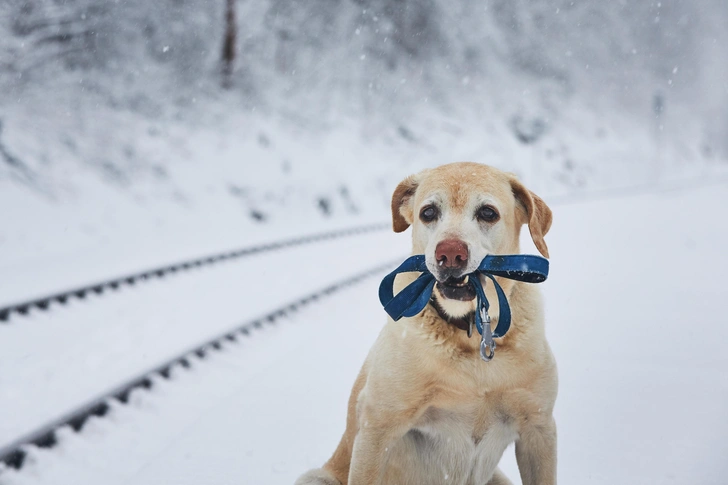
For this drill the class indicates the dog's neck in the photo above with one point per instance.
(463, 323)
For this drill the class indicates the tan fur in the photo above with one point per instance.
(538, 215)
(425, 409)
(401, 217)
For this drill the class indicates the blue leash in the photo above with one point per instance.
(414, 298)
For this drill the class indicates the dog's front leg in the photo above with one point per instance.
(370, 451)
(536, 452)
(382, 422)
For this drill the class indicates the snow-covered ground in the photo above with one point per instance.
(75, 353)
(50, 272)
(635, 315)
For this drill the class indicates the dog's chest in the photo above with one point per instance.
(471, 424)
(475, 435)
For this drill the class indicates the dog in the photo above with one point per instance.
(425, 409)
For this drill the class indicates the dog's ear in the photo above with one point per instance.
(402, 200)
(537, 214)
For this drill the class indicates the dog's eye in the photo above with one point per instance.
(487, 214)
(429, 213)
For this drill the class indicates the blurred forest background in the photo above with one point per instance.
(262, 110)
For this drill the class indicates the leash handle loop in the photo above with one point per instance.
(415, 296)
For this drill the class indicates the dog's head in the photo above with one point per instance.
(459, 214)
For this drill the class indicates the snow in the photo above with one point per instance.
(635, 316)
(104, 340)
(48, 272)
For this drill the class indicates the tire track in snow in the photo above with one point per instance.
(80, 293)
(14, 454)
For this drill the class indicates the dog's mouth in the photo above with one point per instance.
(457, 288)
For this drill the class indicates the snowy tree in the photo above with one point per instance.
(228, 48)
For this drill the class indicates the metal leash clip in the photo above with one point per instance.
(487, 344)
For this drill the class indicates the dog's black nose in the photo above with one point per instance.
(452, 254)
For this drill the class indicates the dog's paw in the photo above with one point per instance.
(317, 476)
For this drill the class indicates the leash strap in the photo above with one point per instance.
(415, 296)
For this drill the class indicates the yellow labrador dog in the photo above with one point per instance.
(425, 409)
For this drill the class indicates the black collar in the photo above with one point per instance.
(463, 323)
